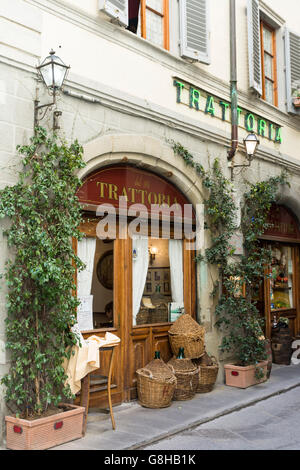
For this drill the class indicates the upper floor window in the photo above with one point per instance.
(262, 54)
(150, 20)
(154, 21)
(262, 33)
(268, 62)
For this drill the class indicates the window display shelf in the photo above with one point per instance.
(281, 288)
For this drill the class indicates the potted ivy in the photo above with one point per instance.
(296, 98)
(245, 341)
(237, 313)
(44, 215)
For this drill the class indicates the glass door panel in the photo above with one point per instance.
(281, 284)
(157, 280)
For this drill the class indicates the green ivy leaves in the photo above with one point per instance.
(236, 313)
(45, 215)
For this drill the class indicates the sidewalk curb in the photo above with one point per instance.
(186, 427)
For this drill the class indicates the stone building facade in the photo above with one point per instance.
(137, 84)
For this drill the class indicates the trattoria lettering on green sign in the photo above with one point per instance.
(200, 100)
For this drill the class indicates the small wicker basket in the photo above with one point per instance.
(155, 385)
(187, 377)
(207, 375)
(188, 334)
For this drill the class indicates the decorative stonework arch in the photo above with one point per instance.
(146, 153)
(289, 198)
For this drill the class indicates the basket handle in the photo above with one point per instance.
(147, 372)
(172, 368)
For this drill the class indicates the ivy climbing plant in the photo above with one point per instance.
(44, 213)
(236, 312)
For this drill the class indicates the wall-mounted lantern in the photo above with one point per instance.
(152, 253)
(53, 72)
(251, 142)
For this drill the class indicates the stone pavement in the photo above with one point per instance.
(137, 427)
(271, 424)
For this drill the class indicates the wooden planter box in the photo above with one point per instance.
(43, 433)
(243, 377)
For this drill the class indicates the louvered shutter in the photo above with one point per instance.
(117, 9)
(194, 35)
(254, 44)
(292, 68)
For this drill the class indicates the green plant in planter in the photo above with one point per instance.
(238, 316)
(236, 312)
(44, 213)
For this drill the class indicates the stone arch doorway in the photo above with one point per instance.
(142, 329)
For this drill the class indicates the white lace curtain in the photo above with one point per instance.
(86, 252)
(139, 273)
(176, 268)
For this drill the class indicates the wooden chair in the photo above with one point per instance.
(104, 383)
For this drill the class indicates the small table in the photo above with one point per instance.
(85, 388)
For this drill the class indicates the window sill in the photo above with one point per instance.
(153, 325)
(98, 330)
(148, 44)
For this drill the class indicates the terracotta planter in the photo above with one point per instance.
(296, 102)
(43, 433)
(244, 376)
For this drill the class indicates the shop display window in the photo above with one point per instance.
(95, 284)
(157, 270)
(281, 277)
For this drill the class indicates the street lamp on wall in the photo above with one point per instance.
(251, 142)
(53, 73)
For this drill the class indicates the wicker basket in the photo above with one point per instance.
(160, 314)
(188, 334)
(143, 316)
(207, 375)
(186, 374)
(155, 385)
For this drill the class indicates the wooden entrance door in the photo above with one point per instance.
(142, 341)
(138, 343)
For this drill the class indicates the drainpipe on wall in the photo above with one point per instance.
(233, 87)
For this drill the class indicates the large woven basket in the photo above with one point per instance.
(186, 374)
(155, 385)
(207, 375)
(188, 334)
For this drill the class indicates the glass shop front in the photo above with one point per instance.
(279, 294)
(139, 273)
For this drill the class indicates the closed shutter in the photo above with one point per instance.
(254, 46)
(194, 35)
(117, 9)
(292, 68)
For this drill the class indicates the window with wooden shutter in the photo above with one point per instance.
(154, 22)
(269, 63)
(254, 46)
(194, 35)
(117, 9)
(292, 67)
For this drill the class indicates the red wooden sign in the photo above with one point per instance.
(284, 224)
(105, 186)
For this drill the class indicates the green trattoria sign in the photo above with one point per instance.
(216, 107)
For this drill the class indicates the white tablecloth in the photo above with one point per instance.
(86, 358)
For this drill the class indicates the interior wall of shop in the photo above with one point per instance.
(102, 296)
